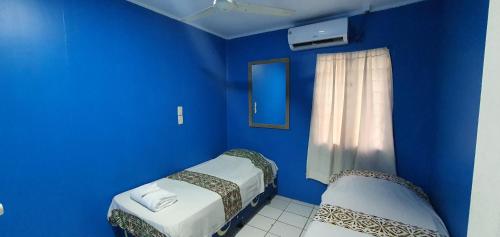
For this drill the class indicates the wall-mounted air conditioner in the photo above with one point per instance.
(323, 34)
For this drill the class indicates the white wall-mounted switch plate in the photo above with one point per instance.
(179, 110)
(180, 115)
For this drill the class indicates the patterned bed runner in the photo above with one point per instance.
(368, 224)
(257, 159)
(384, 176)
(229, 191)
(133, 224)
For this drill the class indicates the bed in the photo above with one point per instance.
(367, 203)
(212, 198)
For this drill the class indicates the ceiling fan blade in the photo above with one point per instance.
(262, 10)
(203, 13)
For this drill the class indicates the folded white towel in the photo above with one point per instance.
(153, 197)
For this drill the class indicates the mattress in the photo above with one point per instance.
(198, 212)
(382, 200)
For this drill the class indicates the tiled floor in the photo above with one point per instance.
(282, 217)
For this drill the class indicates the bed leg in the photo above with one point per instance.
(269, 199)
(240, 224)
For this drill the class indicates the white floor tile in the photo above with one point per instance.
(293, 219)
(270, 212)
(283, 198)
(299, 209)
(313, 213)
(261, 222)
(284, 230)
(249, 231)
(303, 203)
(279, 203)
(305, 227)
(308, 223)
(291, 223)
(271, 235)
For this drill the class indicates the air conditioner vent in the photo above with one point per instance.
(319, 42)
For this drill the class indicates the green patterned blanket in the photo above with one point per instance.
(133, 224)
(229, 191)
(257, 159)
(368, 224)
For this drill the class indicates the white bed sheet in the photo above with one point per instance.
(198, 211)
(379, 198)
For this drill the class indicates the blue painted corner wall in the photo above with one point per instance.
(88, 109)
(458, 91)
(437, 52)
(412, 52)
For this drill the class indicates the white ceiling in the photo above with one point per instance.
(230, 25)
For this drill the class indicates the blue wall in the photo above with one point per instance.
(437, 66)
(458, 93)
(412, 44)
(88, 101)
(89, 89)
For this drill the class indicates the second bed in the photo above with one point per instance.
(368, 203)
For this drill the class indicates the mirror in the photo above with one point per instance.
(269, 93)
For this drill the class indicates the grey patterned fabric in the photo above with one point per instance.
(257, 159)
(133, 224)
(229, 191)
(384, 176)
(368, 224)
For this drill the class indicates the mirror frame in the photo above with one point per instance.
(251, 123)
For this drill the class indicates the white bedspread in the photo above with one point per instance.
(378, 198)
(198, 211)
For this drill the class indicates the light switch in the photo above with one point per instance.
(1, 209)
(179, 110)
(180, 115)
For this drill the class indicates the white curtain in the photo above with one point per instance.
(351, 124)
